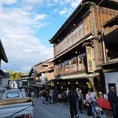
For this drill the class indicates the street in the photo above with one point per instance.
(50, 111)
(55, 110)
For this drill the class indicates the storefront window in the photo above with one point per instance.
(74, 64)
(74, 60)
(81, 58)
(81, 61)
(60, 65)
(66, 63)
(111, 45)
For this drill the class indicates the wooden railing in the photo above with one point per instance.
(71, 38)
(74, 68)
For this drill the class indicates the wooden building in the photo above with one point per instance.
(110, 66)
(43, 72)
(77, 48)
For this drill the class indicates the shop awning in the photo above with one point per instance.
(79, 76)
(76, 76)
(2, 53)
(56, 79)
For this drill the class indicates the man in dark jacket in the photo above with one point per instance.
(112, 97)
(72, 101)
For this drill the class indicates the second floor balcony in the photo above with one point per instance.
(75, 65)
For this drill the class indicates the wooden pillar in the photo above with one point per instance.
(92, 85)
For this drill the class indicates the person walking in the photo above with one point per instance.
(47, 97)
(89, 103)
(72, 102)
(43, 94)
(77, 100)
(94, 102)
(51, 96)
(113, 99)
(80, 100)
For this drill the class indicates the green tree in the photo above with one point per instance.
(18, 75)
(11, 73)
(15, 75)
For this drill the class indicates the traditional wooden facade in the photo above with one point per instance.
(110, 66)
(77, 48)
(43, 72)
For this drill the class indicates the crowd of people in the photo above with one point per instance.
(49, 96)
(73, 96)
(76, 99)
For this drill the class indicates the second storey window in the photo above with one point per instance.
(60, 66)
(74, 64)
(74, 60)
(66, 63)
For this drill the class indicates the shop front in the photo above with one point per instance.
(83, 81)
(111, 79)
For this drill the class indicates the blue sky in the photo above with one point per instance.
(26, 27)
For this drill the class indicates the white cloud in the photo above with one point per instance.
(17, 33)
(75, 3)
(40, 16)
(7, 1)
(68, 1)
(50, 4)
(64, 11)
(33, 1)
(27, 8)
(18, 26)
(55, 10)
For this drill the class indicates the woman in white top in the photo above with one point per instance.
(89, 103)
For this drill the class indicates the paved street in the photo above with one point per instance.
(50, 111)
(54, 111)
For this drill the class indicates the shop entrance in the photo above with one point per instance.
(112, 85)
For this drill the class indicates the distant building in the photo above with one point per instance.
(3, 75)
(4, 79)
(25, 81)
(43, 72)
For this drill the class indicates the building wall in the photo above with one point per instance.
(101, 15)
(76, 64)
(111, 78)
(89, 25)
(4, 82)
(49, 75)
(44, 70)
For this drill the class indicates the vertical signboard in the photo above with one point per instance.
(90, 59)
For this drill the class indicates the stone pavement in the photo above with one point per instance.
(56, 110)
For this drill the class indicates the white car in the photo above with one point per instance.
(15, 104)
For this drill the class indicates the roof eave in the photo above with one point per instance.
(84, 2)
(111, 22)
(3, 54)
(67, 22)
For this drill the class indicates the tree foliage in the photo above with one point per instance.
(15, 75)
